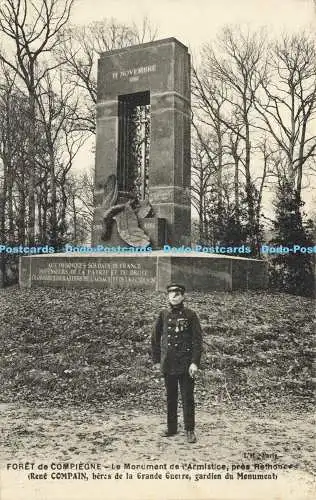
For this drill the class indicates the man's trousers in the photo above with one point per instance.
(187, 395)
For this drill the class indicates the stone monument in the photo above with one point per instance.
(152, 79)
(142, 186)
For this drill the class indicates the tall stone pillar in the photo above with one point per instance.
(162, 68)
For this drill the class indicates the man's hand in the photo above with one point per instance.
(156, 367)
(193, 370)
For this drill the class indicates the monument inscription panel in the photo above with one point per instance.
(103, 272)
(151, 271)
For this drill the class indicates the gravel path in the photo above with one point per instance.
(127, 442)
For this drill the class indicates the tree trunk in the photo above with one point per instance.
(31, 170)
(53, 236)
(21, 215)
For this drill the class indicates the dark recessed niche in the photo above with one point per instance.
(133, 144)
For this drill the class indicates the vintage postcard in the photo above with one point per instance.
(157, 249)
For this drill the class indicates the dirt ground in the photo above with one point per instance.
(255, 432)
(114, 438)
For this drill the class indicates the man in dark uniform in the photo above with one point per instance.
(177, 346)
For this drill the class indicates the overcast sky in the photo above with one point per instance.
(195, 22)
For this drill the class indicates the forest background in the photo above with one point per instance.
(253, 132)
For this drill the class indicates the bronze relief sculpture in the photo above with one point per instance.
(126, 215)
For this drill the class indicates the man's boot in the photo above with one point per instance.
(168, 433)
(191, 437)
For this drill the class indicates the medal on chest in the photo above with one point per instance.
(182, 324)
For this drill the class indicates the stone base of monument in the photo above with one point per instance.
(151, 270)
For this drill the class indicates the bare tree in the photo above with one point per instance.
(200, 184)
(56, 113)
(287, 105)
(210, 101)
(225, 89)
(14, 133)
(30, 31)
(79, 53)
(79, 192)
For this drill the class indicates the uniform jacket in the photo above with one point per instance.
(177, 340)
